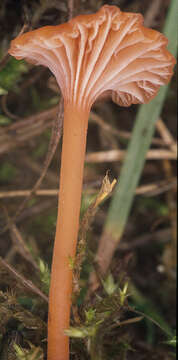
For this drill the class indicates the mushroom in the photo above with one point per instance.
(106, 53)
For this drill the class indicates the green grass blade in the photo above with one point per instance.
(141, 139)
(146, 307)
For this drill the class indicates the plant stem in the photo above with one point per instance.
(71, 178)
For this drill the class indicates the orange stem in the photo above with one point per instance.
(71, 178)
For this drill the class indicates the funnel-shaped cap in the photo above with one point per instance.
(110, 51)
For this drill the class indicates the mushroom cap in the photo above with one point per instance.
(106, 52)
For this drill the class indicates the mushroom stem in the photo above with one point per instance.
(71, 178)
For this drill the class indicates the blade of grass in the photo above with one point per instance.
(144, 306)
(134, 162)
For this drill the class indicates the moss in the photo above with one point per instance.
(11, 74)
(7, 172)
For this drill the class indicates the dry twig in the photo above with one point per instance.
(5, 108)
(71, 9)
(26, 283)
(19, 243)
(152, 12)
(118, 155)
(151, 189)
(4, 61)
(170, 252)
(56, 134)
(166, 136)
(162, 236)
(115, 131)
(20, 132)
(36, 167)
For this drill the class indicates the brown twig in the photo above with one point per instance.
(26, 283)
(152, 12)
(17, 134)
(5, 108)
(22, 193)
(36, 167)
(71, 9)
(44, 6)
(32, 120)
(56, 134)
(158, 236)
(166, 136)
(4, 61)
(19, 243)
(152, 189)
(118, 155)
(36, 209)
(156, 188)
(115, 131)
(170, 252)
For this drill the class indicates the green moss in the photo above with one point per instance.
(40, 150)
(11, 74)
(48, 225)
(7, 172)
(44, 275)
(155, 205)
(4, 120)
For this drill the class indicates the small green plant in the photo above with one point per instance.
(106, 314)
(34, 353)
(44, 275)
(4, 120)
(11, 74)
(109, 285)
(7, 172)
(172, 342)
